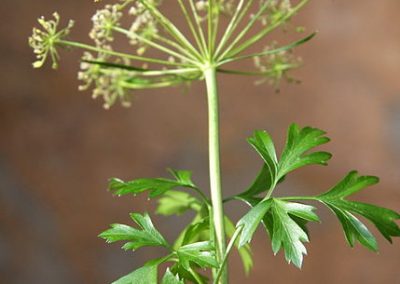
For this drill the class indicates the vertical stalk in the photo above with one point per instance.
(215, 171)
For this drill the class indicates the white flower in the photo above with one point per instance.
(104, 21)
(224, 6)
(276, 66)
(275, 11)
(107, 83)
(44, 41)
(143, 27)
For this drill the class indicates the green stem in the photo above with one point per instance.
(199, 27)
(202, 195)
(192, 27)
(270, 51)
(215, 172)
(228, 250)
(260, 35)
(195, 276)
(155, 45)
(245, 30)
(169, 26)
(118, 54)
(299, 198)
(235, 21)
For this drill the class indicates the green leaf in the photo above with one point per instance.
(302, 211)
(261, 184)
(200, 253)
(146, 236)
(156, 186)
(176, 203)
(381, 217)
(351, 184)
(251, 220)
(244, 251)
(295, 154)
(298, 143)
(189, 275)
(285, 223)
(286, 233)
(354, 229)
(262, 143)
(198, 231)
(144, 275)
(183, 177)
(170, 278)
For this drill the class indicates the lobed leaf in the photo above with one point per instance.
(354, 229)
(176, 203)
(200, 253)
(286, 232)
(285, 223)
(263, 144)
(170, 278)
(144, 275)
(295, 154)
(299, 142)
(351, 184)
(251, 220)
(382, 218)
(156, 186)
(146, 236)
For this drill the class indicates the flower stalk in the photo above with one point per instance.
(215, 170)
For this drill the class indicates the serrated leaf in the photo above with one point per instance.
(146, 236)
(263, 144)
(183, 177)
(244, 251)
(170, 278)
(200, 253)
(252, 220)
(298, 143)
(382, 218)
(144, 275)
(176, 203)
(351, 184)
(156, 186)
(354, 229)
(286, 233)
(302, 211)
(295, 154)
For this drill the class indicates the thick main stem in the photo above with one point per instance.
(215, 171)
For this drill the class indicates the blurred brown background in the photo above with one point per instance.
(58, 147)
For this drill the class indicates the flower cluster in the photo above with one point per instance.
(104, 21)
(276, 66)
(143, 27)
(222, 6)
(107, 83)
(44, 41)
(276, 9)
